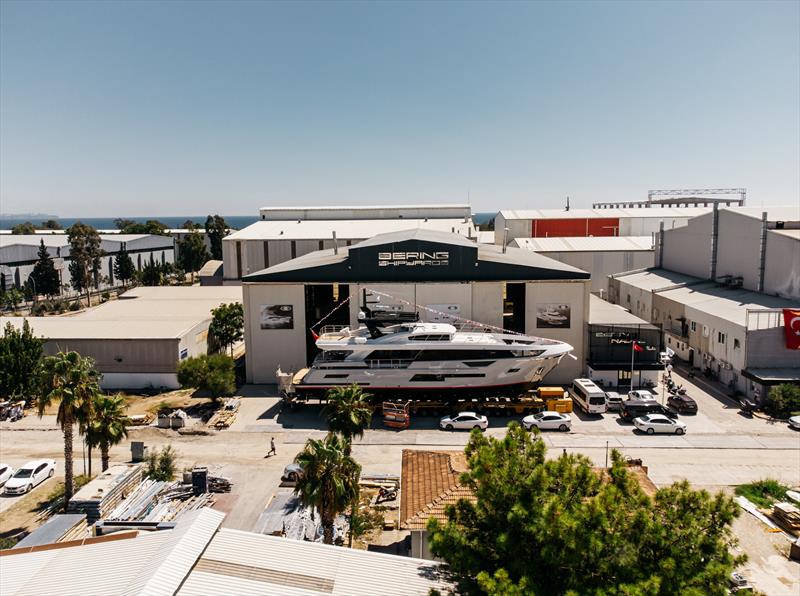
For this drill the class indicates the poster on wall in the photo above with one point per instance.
(552, 316)
(443, 313)
(277, 316)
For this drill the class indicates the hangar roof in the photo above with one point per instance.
(601, 213)
(416, 256)
(586, 244)
(355, 229)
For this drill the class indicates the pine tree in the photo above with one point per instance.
(227, 325)
(45, 276)
(216, 229)
(192, 253)
(124, 268)
(20, 353)
(84, 254)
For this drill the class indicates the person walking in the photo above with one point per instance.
(272, 450)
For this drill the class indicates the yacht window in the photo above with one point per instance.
(337, 376)
(392, 355)
(335, 355)
(430, 355)
(432, 337)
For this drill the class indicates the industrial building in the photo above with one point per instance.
(506, 288)
(138, 339)
(19, 253)
(510, 224)
(198, 557)
(286, 233)
(719, 294)
(600, 256)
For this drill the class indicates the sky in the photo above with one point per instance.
(151, 108)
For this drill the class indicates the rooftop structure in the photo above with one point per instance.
(198, 558)
(430, 482)
(442, 211)
(602, 312)
(586, 244)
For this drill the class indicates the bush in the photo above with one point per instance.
(160, 465)
(76, 305)
(783, 401)
(105, 296)
(214, 373)
(763, 492)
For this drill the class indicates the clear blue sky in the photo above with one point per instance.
(152, 108)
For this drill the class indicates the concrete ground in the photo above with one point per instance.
(721, 449)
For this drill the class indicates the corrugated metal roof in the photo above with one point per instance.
(586, 244)
(655, 279)
(670, 212)
(244, 563)
(356, 229)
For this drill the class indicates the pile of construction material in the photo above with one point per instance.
(176, 419)
(59, 528)
(225, 416)
(788, 516)
(101, 495)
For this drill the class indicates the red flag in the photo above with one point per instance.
(637, 347)
(791, 322)
(314, 335)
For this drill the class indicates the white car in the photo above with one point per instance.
(658, 423)
(30, 475)
(640, 394)
(613, 400)
(548, 421)
(794, 422)
(5, 473)
(464, 421)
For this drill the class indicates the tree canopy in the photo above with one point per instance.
(329, 481)
(44, 275)
(23, 228)
(20, 353)
(216, 229)
(107, 426)
(124, 269)
(560, 527)
(348, 411)
(51, 224)
(214, 373)
(192, 252)
(151, 226)
(84, 254)
(227, 325)
(783, 400)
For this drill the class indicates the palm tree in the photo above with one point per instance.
(329, 481)
(72, 381)
(349, 412)
(107, 427)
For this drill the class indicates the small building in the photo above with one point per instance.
(138, 339)
(610, 359)
(429, 482)
(599, 255)
(285, 233)
(198, 557)
(19, 253)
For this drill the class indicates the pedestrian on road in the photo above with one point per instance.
(669, 370)
(272, 450)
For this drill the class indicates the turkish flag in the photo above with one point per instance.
(637, 347)
(791, 322)
(314, 335)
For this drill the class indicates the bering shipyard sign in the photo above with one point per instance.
(413, 259)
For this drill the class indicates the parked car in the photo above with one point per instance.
(548, 421)
(613, 400)
(640, 394)
(633, 408)
(6, 472)
(683, 404)
(658, 423)
(794, 422)
(464, 420)
(30, 475)
(292, 473)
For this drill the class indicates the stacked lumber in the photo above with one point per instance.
(100, 496)
(219, 484)
(788, 516)
(225, 416)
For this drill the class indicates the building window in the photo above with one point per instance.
(293, 248)
(720, 337)
(321, 245)
(705, 330)
(238, 260)
(736, 344)
(629, 298)
(693, 326)
(266, 253)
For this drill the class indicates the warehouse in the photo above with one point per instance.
(286, 233)
(484, 283)
(137, 340)
(19, 253)
(600, 256)
(544, 223)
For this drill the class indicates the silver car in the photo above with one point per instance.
(548, 421)
(658, 423)
(613, 401)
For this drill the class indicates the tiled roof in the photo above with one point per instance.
(430, 483)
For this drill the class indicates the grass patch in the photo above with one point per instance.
(763, 492)
(55, 500)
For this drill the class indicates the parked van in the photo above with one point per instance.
(613, 400)
(588, 396)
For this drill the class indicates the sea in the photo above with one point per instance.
(236, 222)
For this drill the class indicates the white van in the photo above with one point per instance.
(588, 396)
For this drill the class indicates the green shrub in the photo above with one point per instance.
(763, 492)
(76, 305)
(160, 464)
(783, 400)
